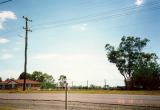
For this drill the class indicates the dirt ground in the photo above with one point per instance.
(119, 99)
(59, 105)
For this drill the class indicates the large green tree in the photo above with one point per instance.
(37, 76)
(42, 77)
(126, 56)
(0, 79)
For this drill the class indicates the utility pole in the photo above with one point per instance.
(66, 93)
(72, 84)
(105, 84)
(26, 46)
(87, 84)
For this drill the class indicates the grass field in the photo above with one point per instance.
(133, 92)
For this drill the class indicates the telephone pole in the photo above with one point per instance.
(105, 84)
(66, 95)
(87, 84)
(25, 51)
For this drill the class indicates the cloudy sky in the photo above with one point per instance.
(69, 36)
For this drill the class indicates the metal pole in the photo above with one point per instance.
(66, 93)
(87, 84)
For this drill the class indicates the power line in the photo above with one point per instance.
(99, 16)
(102, 14)
(5, 1)
(91, 19)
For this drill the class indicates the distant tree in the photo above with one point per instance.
(126, 56)
(28, 76)
(0, 79)
(48, 85)
(62, 80)
(47, 81)
(92, 86)
(37, 76)
(42, 77)
(48, 78)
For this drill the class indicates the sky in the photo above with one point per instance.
(68, 36)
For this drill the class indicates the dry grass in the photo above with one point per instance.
(133, 92)
(5, 108)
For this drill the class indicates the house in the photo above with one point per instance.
(18, 84)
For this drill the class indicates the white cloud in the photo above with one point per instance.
(10, 73)
(44, 56)
(139, 2)
(80, 27)
(3, 40)
(78, 67)
(16, 49)
(5, 15)
(6, 56)
(4, 50)
(19, 43)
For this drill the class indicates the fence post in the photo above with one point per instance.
(66, 93)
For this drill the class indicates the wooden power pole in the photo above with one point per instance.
(26, 46)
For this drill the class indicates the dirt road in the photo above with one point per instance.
(142, 100)
(50, 101)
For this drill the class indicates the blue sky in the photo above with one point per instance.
(69, 36)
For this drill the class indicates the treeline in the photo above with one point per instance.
(47, 81)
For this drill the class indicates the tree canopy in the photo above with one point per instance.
(62, 80)
(38, 76)
(28, 76)
(47, 81)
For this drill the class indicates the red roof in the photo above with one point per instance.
(3, 82)
(20, 81)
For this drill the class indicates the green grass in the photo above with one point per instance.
(131, 92)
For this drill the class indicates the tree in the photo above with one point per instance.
(47, 78)
(28, 76)
(126, 56)
(37, 76)
(62, 80)
(147, 72)
(48, 85)
(47, 81)
(41, 77)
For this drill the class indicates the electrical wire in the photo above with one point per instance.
(90, 18)
(97, 16)
(5, 1)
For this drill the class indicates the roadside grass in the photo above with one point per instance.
(5, 108)
(130, 92)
